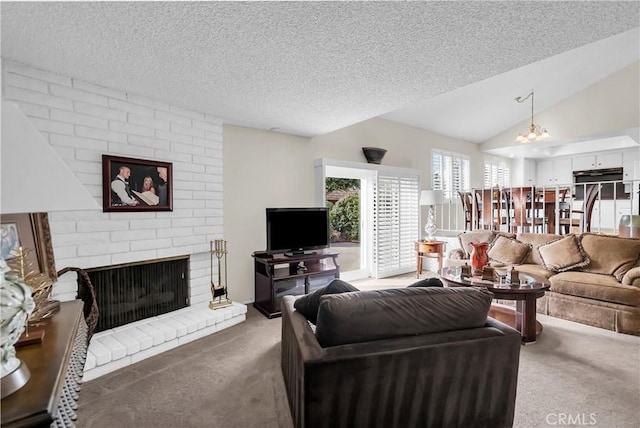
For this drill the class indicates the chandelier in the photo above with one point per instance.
(535, 132)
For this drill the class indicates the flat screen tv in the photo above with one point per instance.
(293, 231)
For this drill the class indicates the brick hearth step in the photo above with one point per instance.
(121, 346)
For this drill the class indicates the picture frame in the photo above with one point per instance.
(32, 233)
(130, 184)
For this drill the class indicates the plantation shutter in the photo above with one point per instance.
(496, 174)
(436, 168)
(506, 177)
(450, 173)
(395, 223)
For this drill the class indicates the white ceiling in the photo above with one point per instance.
(308, 68)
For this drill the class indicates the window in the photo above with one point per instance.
(450, 173)
(496, 174)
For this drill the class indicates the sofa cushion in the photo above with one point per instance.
(610, 254)
(536, 270)
(508, 251)
(381, 314)
(563, 254)
(535, 239)
(598, 287)
(308, 305)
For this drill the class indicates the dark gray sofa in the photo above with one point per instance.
(412, 357)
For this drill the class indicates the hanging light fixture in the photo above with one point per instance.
(535, 132)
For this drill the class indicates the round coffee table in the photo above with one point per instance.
(523, 318)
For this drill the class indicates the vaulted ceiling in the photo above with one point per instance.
(308, 68)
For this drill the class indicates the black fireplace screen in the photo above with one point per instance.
(135, 291)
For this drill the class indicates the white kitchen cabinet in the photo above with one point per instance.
(554, 172)
(581, 163)
(606, 214)
(598, 161)
(609, 160)
(628, 162)
(544, 172)
(523, 172)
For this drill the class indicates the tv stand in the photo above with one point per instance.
(281, 275)
(299, 253)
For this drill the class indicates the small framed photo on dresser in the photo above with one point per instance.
(130, 184)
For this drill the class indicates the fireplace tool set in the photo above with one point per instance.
(218, 250)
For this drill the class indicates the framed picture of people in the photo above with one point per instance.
(136, 184)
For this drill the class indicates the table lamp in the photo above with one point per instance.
(431, 198)
(34, 179)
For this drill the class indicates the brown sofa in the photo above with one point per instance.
(595, 278)
(411, 357)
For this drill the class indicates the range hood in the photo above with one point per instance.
(604, 172)
(608, 190)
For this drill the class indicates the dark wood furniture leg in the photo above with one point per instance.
(526, 318)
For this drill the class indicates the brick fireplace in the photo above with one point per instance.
(81, 122)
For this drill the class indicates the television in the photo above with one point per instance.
(294, 231)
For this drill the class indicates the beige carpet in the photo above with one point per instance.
(575, 374)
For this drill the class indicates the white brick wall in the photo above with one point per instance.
(82, 122)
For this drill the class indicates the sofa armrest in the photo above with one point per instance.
(632, 277)
(298, 346)
(457, 254)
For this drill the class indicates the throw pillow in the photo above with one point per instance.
(508, 251)
(308, 305)
(429, 282)
(563, 254)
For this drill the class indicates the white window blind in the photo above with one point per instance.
(450, 173)
(496, 174)
(396, 228)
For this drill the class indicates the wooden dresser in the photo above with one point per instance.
(50, 397)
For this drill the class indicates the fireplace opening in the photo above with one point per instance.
(134, 291)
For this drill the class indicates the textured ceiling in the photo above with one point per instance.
(308, 68)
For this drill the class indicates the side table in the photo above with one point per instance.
(56, 365)
(429, 250)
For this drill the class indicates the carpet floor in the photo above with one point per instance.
(574, 375)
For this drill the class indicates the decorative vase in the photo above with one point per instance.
(374, 154)
(479, 256)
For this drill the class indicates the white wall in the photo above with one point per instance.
(82, 122)
(262, 169)
(406, 146)
(268, 169)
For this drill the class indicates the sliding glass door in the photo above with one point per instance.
(347, 196)
(374, 216)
